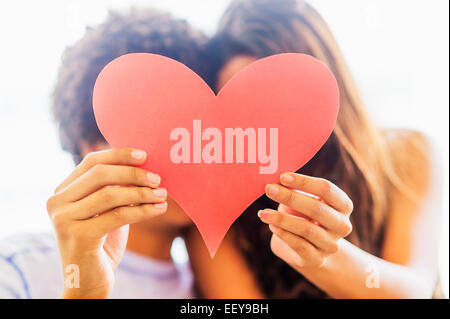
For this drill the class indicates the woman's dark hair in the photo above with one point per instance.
(359, 158)
(139, 30)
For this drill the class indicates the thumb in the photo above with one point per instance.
(116, 243)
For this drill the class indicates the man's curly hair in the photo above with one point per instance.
(135, 31)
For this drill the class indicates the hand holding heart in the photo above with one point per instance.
(283, 108)
(306, 239)
(91, 210)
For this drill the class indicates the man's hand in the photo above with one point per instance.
(91, 210)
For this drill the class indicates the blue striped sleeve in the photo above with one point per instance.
(12, 282)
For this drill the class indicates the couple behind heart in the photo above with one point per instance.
(140, 99)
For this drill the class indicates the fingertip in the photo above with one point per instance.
(138, 155)
(160, 193)
(272, 190)
(154, 179)
(264, 214)
(259, 213)
(162, 207)
(286, 178)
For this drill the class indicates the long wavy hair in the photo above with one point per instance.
(358, 157)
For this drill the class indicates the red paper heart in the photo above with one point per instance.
(140, 98)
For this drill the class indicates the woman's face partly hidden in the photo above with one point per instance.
(175, 216)
(231, 67)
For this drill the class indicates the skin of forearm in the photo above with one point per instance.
(354, 273)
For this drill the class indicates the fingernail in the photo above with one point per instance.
(287, 179)
(138, 155)
(264, 214)
(153, 178)
(272, 190)
(160, 205)
(160, 192)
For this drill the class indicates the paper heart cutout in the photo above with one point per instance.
(140, 98)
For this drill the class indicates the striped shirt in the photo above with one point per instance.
(30, 267)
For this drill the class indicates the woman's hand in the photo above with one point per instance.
(309, 224)
(91, 211)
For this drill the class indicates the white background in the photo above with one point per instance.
(398, 51)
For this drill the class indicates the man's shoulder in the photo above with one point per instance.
(29, 266)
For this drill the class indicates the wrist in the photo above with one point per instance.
(77, 293)
(332, 262)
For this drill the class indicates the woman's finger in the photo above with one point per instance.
(316, 235)
(326, 190)
(103, 175)
(301, 246)
(110, 197)
(119, 156)
(313, 208)
(120, 216)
